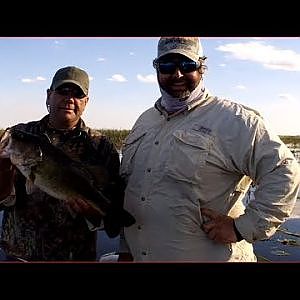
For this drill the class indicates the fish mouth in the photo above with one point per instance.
(4, 153)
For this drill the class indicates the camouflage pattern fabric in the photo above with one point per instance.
(39, 227)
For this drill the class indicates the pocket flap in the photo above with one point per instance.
(133, 137)
(193, 138)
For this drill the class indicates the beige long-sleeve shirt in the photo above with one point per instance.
(204, 157)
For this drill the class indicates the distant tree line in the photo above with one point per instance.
(117, 136)
(291, 140)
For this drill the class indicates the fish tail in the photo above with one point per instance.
(127, 218)
(114, 221)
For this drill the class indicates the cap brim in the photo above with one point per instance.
(59, 83)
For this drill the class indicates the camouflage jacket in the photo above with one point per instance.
(37, 226)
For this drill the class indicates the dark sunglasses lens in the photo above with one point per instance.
(188, 66)
(64, 91)
(79, 94)
(184, 67)
(167, 67)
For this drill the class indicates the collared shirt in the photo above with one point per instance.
(205, 156)
(37, 226)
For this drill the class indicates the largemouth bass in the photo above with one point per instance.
(54, 172)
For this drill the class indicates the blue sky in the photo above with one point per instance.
(263, 73)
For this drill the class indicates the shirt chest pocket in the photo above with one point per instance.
(188, 155)
(129, 149)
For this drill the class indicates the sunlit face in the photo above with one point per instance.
(179, 83)
(66, 105)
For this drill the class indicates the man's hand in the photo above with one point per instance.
(219, 228)
(79, 206)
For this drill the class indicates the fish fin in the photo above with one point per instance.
(31, 175)
(96, 220)
(111, 227)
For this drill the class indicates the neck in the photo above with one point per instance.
(174, 104)
(61, 125)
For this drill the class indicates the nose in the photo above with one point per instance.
(69, 96)
(178, 73)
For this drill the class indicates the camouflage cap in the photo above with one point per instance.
(187, 46)
(71, 74)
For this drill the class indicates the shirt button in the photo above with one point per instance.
(156, 142)
(143, 198)
(149, 170)
(139, 227)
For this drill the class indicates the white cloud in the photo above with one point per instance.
(240, 87)
(222, 65)
(283, 114)
(58, 44)
(269, 56)
(131, 53)
(27, 80)
(147, 78)
(101, 59)
(287, 97)
(31, 80)
(118, 78)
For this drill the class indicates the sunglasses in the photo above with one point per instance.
(171, 67)
(74, 92)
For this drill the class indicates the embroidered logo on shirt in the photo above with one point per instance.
(203, 129)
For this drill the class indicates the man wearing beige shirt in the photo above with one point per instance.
(188, 162)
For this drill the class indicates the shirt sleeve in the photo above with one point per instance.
(276, 173)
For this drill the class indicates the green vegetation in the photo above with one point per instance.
(116, 136)
(291, 140)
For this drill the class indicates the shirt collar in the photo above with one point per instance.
(80, 127)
